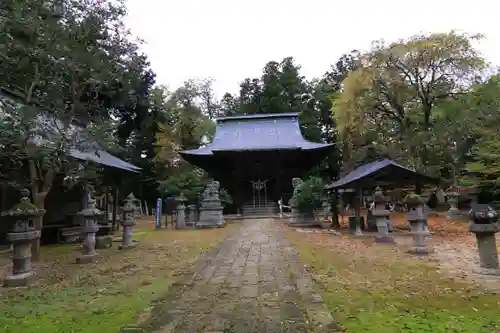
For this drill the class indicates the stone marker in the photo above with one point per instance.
(22, 233)
(180, 222)
(90, 227)
(454, 213)
(128, 222)
(211, 208)
(191, 215)
(382, 216)
(417, 221)
(484, 223)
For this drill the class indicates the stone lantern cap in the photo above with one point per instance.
(24, 209)
(413, 200)
(483, 214)
(129, 204)
(132, 197)
(378, 196)
(181, 198)
(452, 191)
(91, 210)
(483, 220)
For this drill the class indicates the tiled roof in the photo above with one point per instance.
(92, 151)
(368, 169)
(257, 133)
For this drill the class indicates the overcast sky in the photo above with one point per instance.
(229, 40)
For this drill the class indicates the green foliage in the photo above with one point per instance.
(310, 194)
(391, 103)
(65, 65)
(190, 182)
(485, 170)
(225, 197)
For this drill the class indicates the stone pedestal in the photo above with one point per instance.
(22, 233)
(211, 208)
(294, 212)
(484, 223)
(382, 217)
(103, 242)
(304, 220)
(128, 222)
(90, 227)
(417, 221)
(453, 213)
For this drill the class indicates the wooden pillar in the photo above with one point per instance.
(278, 173)
(358, 202)
(335, 208)
(114, 223)
(106, 193)
(3, 197)
(418, 187)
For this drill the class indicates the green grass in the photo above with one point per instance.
(375, 288)
(76, 309)
(106, 295)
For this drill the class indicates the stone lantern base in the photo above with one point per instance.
(86, 258)
(487, 247)
(455, 215)
(383, 231)
(126, 246)
(19, 280)
(487, 271)
(420, 250)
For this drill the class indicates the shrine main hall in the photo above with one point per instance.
(255, 158)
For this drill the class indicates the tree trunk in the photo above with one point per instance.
(39, 197)
(39, 201)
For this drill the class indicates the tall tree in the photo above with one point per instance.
(65, 64)
(395, 91)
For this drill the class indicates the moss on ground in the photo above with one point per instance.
(106, 295)
(377, 288)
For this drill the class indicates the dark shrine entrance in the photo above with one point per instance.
(259, 193)
(255, 158)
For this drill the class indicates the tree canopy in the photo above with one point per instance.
(429, 101)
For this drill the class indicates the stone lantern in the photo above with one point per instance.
(90, 216)
(22, 233)
(453, 213)
(484, 223)
(128, 222)
(416, 219)
(181, 212)
(136, 203)
(382, 217)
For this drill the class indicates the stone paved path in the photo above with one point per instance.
(251, 282)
